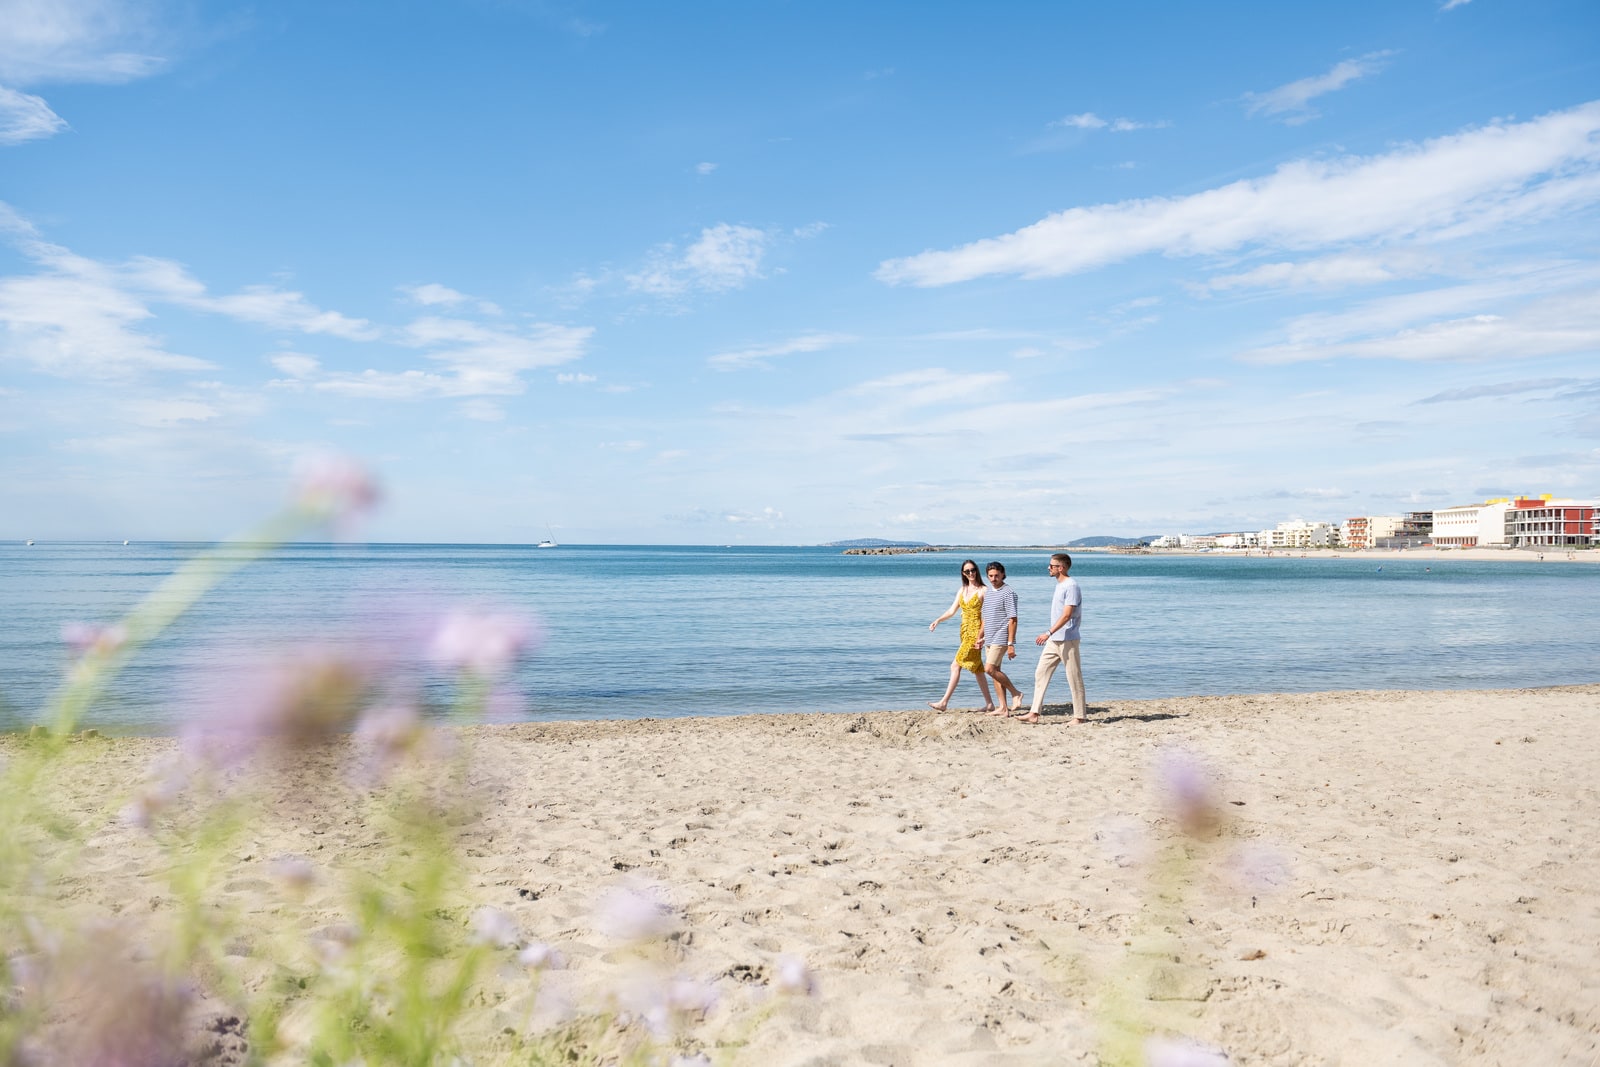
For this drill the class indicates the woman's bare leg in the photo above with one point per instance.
(944, 702)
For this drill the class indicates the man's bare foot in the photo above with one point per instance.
(1018, 705)
(999, 713)
(1080, 720)
(1031, 717)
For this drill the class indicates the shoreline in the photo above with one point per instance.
(1401, 876)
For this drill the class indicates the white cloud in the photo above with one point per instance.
(1292, 102)
(724, 257)
(432, 294)
(1088, 120)
(75, 41)
(764, 517)
(1451, 5)
(811, 229)
(1568, 322)
(760, 356)
(575, 379)
(296, 365)
(704, 168)
(1445, 187)
(24, 117)
(81, 324)
(157, 414)
(64, 41)
(1327, 272)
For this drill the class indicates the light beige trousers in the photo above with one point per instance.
(1062, 653)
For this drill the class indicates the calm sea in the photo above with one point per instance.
(636, 631)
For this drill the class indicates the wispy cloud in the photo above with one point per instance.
(1527, 385)
(436, 295)
(703, 169)
(725, 256)
(1564, 323)
(1291, 103)
(1451, 5)
(76, 41)
(762, 355)
(1088, 120)
(1327, 272)
(65, 41)
(24, 117)
(1446, 186)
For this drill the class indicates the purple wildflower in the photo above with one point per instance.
(481, 642)
(541, 957)
(491, 926)
(334, 486)
(1187, 787)
(635, 911)
(794, 977)
(85, 638)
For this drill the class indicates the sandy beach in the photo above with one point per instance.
(1402, 877)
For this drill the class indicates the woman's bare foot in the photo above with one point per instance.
(999, 713)
(987, 709)
(1031, 717)
(936, 706)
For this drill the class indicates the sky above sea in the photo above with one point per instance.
(779, 273)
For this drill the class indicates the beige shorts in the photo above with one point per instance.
(993, 654)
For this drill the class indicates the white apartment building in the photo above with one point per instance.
(1471, 525)
(1297, 534)
(1363, 531)
(1239, 540)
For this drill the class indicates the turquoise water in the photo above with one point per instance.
(636, 631)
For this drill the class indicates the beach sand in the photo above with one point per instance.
(1402, 877)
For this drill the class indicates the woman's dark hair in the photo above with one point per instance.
(977, 575)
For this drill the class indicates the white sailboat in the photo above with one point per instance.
(549, 542)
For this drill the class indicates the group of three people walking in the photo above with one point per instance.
(989, 636)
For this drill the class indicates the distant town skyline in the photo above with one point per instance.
(781, 274)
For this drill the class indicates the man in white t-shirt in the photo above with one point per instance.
(1060, 642)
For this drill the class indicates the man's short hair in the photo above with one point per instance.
(996, 566)
(1063, 559)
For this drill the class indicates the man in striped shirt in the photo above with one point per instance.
(1000, 636)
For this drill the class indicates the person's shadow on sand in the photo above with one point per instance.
(1101, 715)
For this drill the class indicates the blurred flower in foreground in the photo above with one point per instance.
(294, 872)
(168, 779)
(1187, 788)
(1170, 1052)
(635, 911)
(491, 926)
(301, 700)
(795, 978)
(481, 642)
(336, 487)
(112, 1012)
(83, 638)
(541, 957)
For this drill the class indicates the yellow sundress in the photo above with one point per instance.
(969, 656)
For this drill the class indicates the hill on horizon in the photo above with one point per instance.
(873, 542)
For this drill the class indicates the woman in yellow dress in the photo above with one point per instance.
(969, 654)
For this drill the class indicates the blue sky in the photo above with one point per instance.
(784, 273)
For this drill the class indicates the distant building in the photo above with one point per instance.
(1363, 531)
(1298, 534)
(1415, 531)
(1472, 525)
(1247, 539)
(1547, 523)
(1168, 541)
